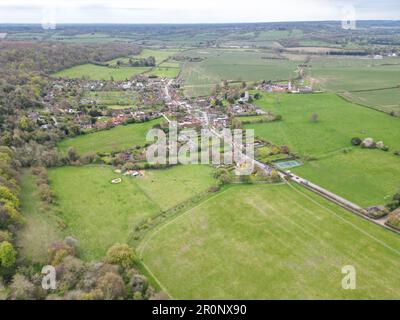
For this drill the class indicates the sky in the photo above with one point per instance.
(194, 11)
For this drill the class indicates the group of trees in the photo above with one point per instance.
(48, 57)
(145, 62)
(113, 278)
(10, 217)
(25, 143)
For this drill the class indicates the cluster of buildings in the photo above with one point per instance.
(284, 88)
(245, 110)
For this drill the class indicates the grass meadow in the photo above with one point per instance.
(349, 74)
(387, 100)
(363, 176)
(115, 139)
(100, 214)
(232, 65)
(41, 223)
(366, 177)
(121, 98)
(271, 242)
(338, 122)
(94, 72)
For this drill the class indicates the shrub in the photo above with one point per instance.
(70, 271)
(139, 284)
(8, 255)
(213, 189)
(46, 194)
(225, 178)
(9, 215)
(6, 194)
(21, 288)
(72, 154)
(112, 286)
(356, 141)
(122, 255)
(58, 251)
(5, 236)
(394, 219)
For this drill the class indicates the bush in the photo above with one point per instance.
(9, 215)
(356, 141)
(213, 189)
(8, 255)
(72, 154)
(122, 255)
(112, 286)
(394, 219)
(5, 236)
(58, 251)
(46, 194)
(7, 196)
(22, 288)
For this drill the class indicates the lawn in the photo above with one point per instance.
(100, 214)
(41, 225)
(94, 72)
(271, 242)
(116, 139)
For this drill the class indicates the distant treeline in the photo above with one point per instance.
(50, 57)
(348, 53)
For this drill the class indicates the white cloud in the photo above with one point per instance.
(190, 11)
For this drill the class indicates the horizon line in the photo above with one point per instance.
(193, 23)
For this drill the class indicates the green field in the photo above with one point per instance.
(120, 98)
(363, 176)
(338, 122)
(250, 118)
(348, 74)
(41, 224)
(160, 55)
(366, 177)
(116, 139)
(387, 100)
(100, 214)
(271, 242)
(166, 72)
(232, 65)
(94, 72)
(120, 107)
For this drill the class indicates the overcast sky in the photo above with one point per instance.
(193, 11)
